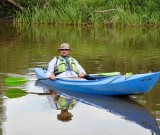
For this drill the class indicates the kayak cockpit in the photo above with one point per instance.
(87, 77)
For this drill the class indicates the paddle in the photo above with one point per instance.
(22, 80)
(17, 79)
(15, 93)
(10, 81)
(106, 74)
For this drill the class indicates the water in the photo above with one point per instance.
(22, 48)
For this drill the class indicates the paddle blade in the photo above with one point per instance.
(14, 83)
(15, 80)
(109, 74)
(15, 93)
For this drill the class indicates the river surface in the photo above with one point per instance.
(24, 47)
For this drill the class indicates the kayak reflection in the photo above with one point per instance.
(127, 108)
(63, 104)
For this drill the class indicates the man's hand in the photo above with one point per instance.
(81, 75)
(52, 77)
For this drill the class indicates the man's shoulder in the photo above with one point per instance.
(72, 57)
(54, 59)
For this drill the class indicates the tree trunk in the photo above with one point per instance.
(14, 3)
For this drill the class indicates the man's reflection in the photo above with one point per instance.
(62, 103)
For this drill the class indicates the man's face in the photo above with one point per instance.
(64, 52)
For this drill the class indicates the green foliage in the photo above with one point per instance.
(83, 12)
(6, 12)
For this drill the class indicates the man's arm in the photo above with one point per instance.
(81, 71)
(50, 71)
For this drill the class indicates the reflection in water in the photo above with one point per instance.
(127, 108)
(62, 103)
(2, 107)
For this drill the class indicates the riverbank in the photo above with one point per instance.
(6, 20)
(125, 13)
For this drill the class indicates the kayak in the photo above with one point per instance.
(132, 84)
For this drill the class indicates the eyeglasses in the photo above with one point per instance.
(64, 49)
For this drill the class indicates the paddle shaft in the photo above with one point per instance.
(63, 77)
(49, 78)
(16, 80)
(38, 93)
(35, 79)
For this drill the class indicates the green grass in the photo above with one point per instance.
(83, 12)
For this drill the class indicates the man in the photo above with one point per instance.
(64, 65)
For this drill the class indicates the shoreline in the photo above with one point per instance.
(10, 20)
(6, 20)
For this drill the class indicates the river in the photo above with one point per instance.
(24, 47)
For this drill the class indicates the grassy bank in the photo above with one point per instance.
(89, 12)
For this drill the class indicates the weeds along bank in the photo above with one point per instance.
(90, 12)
